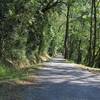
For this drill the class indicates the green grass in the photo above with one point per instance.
(7, 73)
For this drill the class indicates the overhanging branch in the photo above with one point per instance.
(49, 5)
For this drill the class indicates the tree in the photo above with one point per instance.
(67, 32)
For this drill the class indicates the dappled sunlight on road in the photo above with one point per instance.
(57, 80)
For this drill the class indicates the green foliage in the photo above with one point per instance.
(13, 74)
(32, 28)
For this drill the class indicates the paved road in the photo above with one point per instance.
(58, 80)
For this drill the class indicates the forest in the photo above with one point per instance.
(32, 31)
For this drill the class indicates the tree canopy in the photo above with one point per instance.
(31, 30)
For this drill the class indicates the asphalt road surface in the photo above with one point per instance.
(57, 80)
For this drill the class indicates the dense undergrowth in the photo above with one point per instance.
(26, 34)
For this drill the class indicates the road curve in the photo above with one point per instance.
(58, 80)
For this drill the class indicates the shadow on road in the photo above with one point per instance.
(57, 80)
(49, 91)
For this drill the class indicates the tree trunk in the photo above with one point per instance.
(79, 58)
(90, 41)
(94, 35)
(66, 34)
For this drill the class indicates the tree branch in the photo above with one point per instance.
(49, 6)
(52, 4)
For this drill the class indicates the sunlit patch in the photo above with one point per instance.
(28, 81)
(79, 82)
(24, 82)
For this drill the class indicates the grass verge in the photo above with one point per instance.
(7, 73)
(91, 69)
